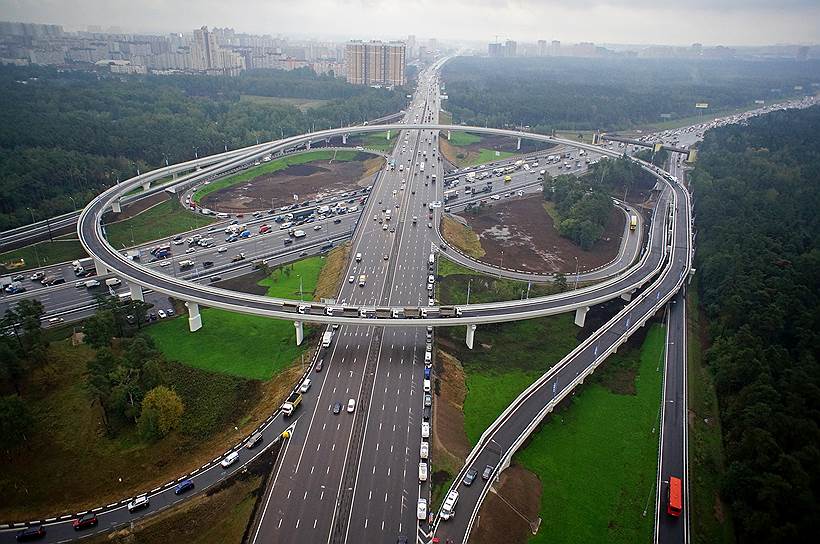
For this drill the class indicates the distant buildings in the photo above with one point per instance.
(507, 49)
(376, 63)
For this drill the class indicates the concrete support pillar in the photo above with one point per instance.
(627, 296)
(388, 134)
(691, 275)
(116, 206)
(300, 332)
(194, 317)
(518, 145)
(100, 267)
(136, 292)
(308, 144)
(471, 335)
(146, 186)
(174, 175)
(344, 139)
(581, 316)
(448, 135)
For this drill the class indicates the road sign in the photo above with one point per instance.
(702, 105)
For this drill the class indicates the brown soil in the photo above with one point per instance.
(246, 283)
(519, 231)
(450, 444)
(510, 511)
(310, 181)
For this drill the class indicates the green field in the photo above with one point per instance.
(376, 141)
(488, 155)
(44, 253)
(166, 219)
(303, 104)
(483, 288)
(710, 523)
(273, 166)
(463, 139)
(597, 459)
(238, 344)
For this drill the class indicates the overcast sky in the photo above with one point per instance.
(677, 22)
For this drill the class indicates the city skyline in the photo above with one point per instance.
(601, 21)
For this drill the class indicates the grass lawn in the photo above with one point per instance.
(165, 219)
(452, 289)
(463, 139)
(242, 345)
(462, 237)
(507, 358)
(43, 254)
(274, 166)
(597, 459)
(378, 141)
(709, 518)
(302, 104)
(488, 155)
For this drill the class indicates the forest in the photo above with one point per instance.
(66, 136)
(547, 93)
(757, 210)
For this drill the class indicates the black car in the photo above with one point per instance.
(337, 221)
(215, 278)
(337, 408)
(31, 533)
(488, 471)
(288, 241)
(469, 478)
(426, 413)
(207, 264)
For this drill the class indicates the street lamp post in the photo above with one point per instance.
(469, 284)
(73, 202)
(576, 273)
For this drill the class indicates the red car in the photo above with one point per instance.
(85, 521)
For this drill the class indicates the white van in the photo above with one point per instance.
(428, 358)
(426, 385)
(305, 386)
(422, 471)
(448, 509)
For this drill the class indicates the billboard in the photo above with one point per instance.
(760, 102)
(702, 105)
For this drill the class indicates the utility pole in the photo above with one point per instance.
(576, 273)
(469, 284)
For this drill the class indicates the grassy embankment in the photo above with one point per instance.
(461, 237)
(375, 140)
(303, 104)
(274, 166)
(709, 518)
(455, 150)
(597, 459)
(226, 392)
(43, 254)
(166, 219)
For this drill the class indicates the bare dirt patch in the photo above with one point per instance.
(510, 511)
(310, 181)
(450, 444)
(518, 233)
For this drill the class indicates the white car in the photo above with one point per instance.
(351, 279)
(232, 458)
(137, 503)
(495, 197)
(384, 226)
(305, 386)
(422, 471)
(351, 406)
(162, 314)
(424, 452)
(317, 227)
(425, 430)
(421, 510)
(190, 250)
(221, 249)
(165, 263)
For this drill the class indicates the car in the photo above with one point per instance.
(351, 279)
(215, 278)
(232, 458)
(190, 250)
(28, 534)
(402, 540)
(163, 264)
(80, 285)
(317, 227)
(422, 471)
(385, 256)
(319, 364)
(305, 386)
(428, 400)
(55, 320)
(170, 312)
(429, 225)
(488, 471)
(254, 441)
(138, 503)
(424, 451)
(421, 509)
(85, 521)
(384, 226)
(221, 249)
(162, 314)
(183, 486)
(425, 413)
(19, 277)
(37, 276)
(469, 477)
(337, 407)
(152, 316)
(425, 430)
(351, 406)
(337, 221)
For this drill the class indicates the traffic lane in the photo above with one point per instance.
(668, 528)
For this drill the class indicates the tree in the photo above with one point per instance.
(25, 319)
(162, 411)
(100, 329)
(560, 283)
(15, 421)
(11, 370)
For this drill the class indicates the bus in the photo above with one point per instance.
(633, 222)
(674, 504)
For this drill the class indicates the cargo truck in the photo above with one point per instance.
(291, 403)
(633, 222)
(327, 338)
(113, 282)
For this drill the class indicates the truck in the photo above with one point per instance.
(518, 164)
(91, 284)
(383, 313)
(450, 195)
(633, 222)
(450, 311)
(470, 176)
(291, 403)
(113, 282)
(298, 234)
(433, 178)
(412, 313)
(185, 264)
(133, 254)
(387, 215)
(327, 338)
(421, 166)
(362, 280)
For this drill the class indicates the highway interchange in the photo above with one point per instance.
(360, 496)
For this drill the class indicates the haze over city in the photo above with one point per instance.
(727, 22)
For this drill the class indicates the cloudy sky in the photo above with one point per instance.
(679, 22)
